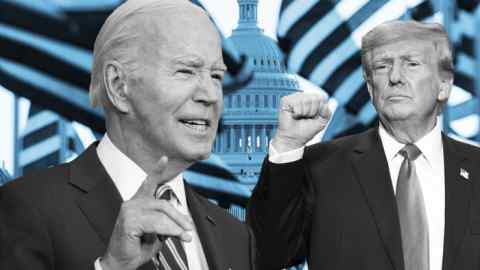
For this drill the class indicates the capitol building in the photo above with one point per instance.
(250, 114)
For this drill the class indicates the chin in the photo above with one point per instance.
(199, 153)
(204, 156)
(398, 114)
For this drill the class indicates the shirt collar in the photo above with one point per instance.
(127, 175)
(390, 145)
(430, 145)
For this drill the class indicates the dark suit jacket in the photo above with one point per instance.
(337, 208)
(62, 218)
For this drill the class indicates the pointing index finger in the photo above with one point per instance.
(154, 178)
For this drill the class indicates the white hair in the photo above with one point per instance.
(121, 34)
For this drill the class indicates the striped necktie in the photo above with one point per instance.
(412, 213)
(172, 255)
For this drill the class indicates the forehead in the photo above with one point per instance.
(406, 48)
(189, 37)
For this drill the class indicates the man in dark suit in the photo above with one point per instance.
(123, 203)
(399, 196)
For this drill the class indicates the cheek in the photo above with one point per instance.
(379, 84)
(378, 93)
(427, 89)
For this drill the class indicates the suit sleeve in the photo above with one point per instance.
(253, 250)
(279, 213)
(24, 239)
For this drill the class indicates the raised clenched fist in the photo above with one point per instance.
(301, 116)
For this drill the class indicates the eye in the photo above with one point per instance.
(380, 67)
(218, 76)
(413, 63)
(186, 71)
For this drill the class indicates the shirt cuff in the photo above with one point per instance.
(285, 157)
(97, 264)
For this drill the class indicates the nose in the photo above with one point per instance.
(208, 90)
(396, 73)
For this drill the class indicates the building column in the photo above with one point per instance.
(232, 138)
(236, 137)
(263, 143)
(254, 138)
(244, 138)
(220, 143)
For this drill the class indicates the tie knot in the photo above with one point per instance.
(410, 151)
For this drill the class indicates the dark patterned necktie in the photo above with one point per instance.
(412, 213)
(172, 255)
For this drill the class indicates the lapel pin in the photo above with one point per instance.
(464, 173)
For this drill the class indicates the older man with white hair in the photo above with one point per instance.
(123, 203)
(400, 196)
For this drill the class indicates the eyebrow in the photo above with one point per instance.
(196, 62)
(412, 56)
(188, 61)
(219, 65)
(389, 57)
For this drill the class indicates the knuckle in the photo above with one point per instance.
(165, 224)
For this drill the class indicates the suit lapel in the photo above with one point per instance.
(101, 201)
(458, 194)
(372, 173)
(208, 231)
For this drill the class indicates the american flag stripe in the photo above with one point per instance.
(337, 47)
(462, 36)
(56, 59)
(422, 11)
(307, 34)
(69, 24)
(49, 65)
(347, 42)
(463, 109)
(295, 11)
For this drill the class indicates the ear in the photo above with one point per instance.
(116, 86)
(445, 87)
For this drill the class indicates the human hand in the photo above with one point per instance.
(134, 238)
(301, 116)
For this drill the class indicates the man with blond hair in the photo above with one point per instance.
(400, 196)
(123, 203)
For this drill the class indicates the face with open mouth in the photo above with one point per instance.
(178, 99)
(197, 125)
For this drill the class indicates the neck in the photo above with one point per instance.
(408, 131)
(134, 146)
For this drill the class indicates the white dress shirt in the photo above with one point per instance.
(430, 171)
(128, 177)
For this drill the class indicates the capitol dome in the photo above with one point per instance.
(250, 114)
(262, 50)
